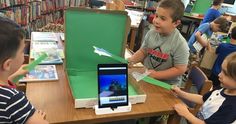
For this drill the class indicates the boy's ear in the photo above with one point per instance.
(6, 66)
(176, 23)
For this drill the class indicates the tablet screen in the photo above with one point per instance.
(112, 85)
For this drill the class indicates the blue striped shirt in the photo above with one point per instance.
(14, 106)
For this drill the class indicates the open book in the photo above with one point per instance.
(41, 73)
(54, 56)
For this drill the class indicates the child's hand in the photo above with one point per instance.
(209, 48)
(181, 109)
(21, 70)
(40, 114)
(130, 63)
(176, 90)
(151, 73)
(37, 118)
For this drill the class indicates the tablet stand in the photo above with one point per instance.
(109, 110)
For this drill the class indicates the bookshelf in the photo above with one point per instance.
(34, 14)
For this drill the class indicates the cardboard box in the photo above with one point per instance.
(208, 59)
(85, 28)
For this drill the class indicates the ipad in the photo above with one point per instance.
(112, 85)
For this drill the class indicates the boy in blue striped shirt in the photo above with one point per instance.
(14, 106)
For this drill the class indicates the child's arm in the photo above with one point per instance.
(20, 71)
(37, 118)
(182, 110)
(137, 56)
(188, 96)
(199, 39)
(168, 73)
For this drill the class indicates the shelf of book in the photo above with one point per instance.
(34, 14)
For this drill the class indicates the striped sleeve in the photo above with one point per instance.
(19, 109)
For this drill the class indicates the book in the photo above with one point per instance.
(41, 73)
(44, 45)
(34, 52)
(53, 57)
(44, 36)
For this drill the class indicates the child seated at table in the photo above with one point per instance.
(218, 106)
(14, 106)
(222, 51)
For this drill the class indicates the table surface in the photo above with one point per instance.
(55, 98)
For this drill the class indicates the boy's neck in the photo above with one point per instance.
(215, 7)
(231, 92)
(167, 34)
(3, 79)
(211, 25)
(4, 83)
(233, 41)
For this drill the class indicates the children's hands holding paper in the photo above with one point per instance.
(20, 71)
(176, 90)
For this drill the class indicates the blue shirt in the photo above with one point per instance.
(223, 50)
(203, 29)
(210, 16)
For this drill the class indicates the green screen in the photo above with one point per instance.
(85, 29)
(201, 6)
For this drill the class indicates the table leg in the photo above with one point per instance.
(132, 39)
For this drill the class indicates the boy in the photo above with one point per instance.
(218, 105)
(219, 24)
(164, 51)
(212, 13)
(14, 106)
(222, 51)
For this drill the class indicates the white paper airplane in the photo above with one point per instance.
(102, 52)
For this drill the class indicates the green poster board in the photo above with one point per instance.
(85, 28)
(201, 6)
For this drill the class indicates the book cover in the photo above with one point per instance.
(44, 45)
(34, 52)
(41, 73)
(44, 36)
(53, 56)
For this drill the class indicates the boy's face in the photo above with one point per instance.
(226, 81)
(215, 27)
(18, 60)
(163, 22)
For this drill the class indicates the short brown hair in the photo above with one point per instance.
(11, 35)
(233, 33)
(176, 6)
(231, 65)
(223, 23)
(217, 2)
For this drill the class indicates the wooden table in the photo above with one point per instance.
(55, 98)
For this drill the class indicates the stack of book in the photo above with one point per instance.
(41, 43)
(46, 42)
